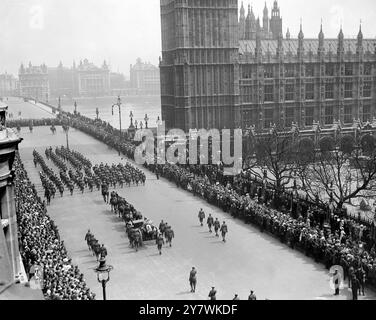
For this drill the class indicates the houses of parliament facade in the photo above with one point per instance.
(221, 70)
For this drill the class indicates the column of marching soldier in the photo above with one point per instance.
(83, 173)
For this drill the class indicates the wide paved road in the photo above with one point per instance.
(249, 260)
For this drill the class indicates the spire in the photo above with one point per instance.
(242, 10)
(252, 15)
(340, 35)
(288, 34)
(266, 12)
(265, 19)
(360, 34)
(321, 37)
(359, 47)
(301, 34)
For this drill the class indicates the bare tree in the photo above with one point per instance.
(273, 159)
(340, 174)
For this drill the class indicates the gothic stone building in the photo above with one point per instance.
(210, 78)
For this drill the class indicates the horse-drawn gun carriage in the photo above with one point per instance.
(140, 231)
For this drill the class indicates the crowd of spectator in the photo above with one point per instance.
(40, 244)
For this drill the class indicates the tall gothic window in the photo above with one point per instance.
(328, 115)
(268, 72)
(348, 89)
(268, 93)
(289, 94)
(268, 118)
(290, 71)
(329, 91)
(367, 69)
(367, 114)
(310, 70)
(290, 116)
(309, 91)
(309, 116)
(349, 69)
(367, 89)
(329, 70)
(348, 117)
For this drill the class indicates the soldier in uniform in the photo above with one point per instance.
(169, 233)
(201, 216)
(210, 222)
(103, 251)
(217, 226)
(212, 294)
(160, 241)
(224, 230)
(162, 228)
(193, 279)
(88, 238)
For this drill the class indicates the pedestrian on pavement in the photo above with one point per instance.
(160, 242)
(224, 231)
(217, 226)
(201, 216)
(210, 222)
(252, 296)
(212, 294)
(193, 279)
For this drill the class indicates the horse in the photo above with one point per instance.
(134, 236)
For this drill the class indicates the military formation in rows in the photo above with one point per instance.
(77, 171)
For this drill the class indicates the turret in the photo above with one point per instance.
(265, 20)
(288, 35)
(359, 43)
(301, 40)
(242, 23)
(341, 47)
(321, 41)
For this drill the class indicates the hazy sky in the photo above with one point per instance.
(122, 30)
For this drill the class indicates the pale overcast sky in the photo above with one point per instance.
(122, 30)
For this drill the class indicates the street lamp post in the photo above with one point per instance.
(66, 130)
(75, 108)
(103, 274)
(131, 117)
(146, 120)
(118, 104)
(97, 112)
(136, 124)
